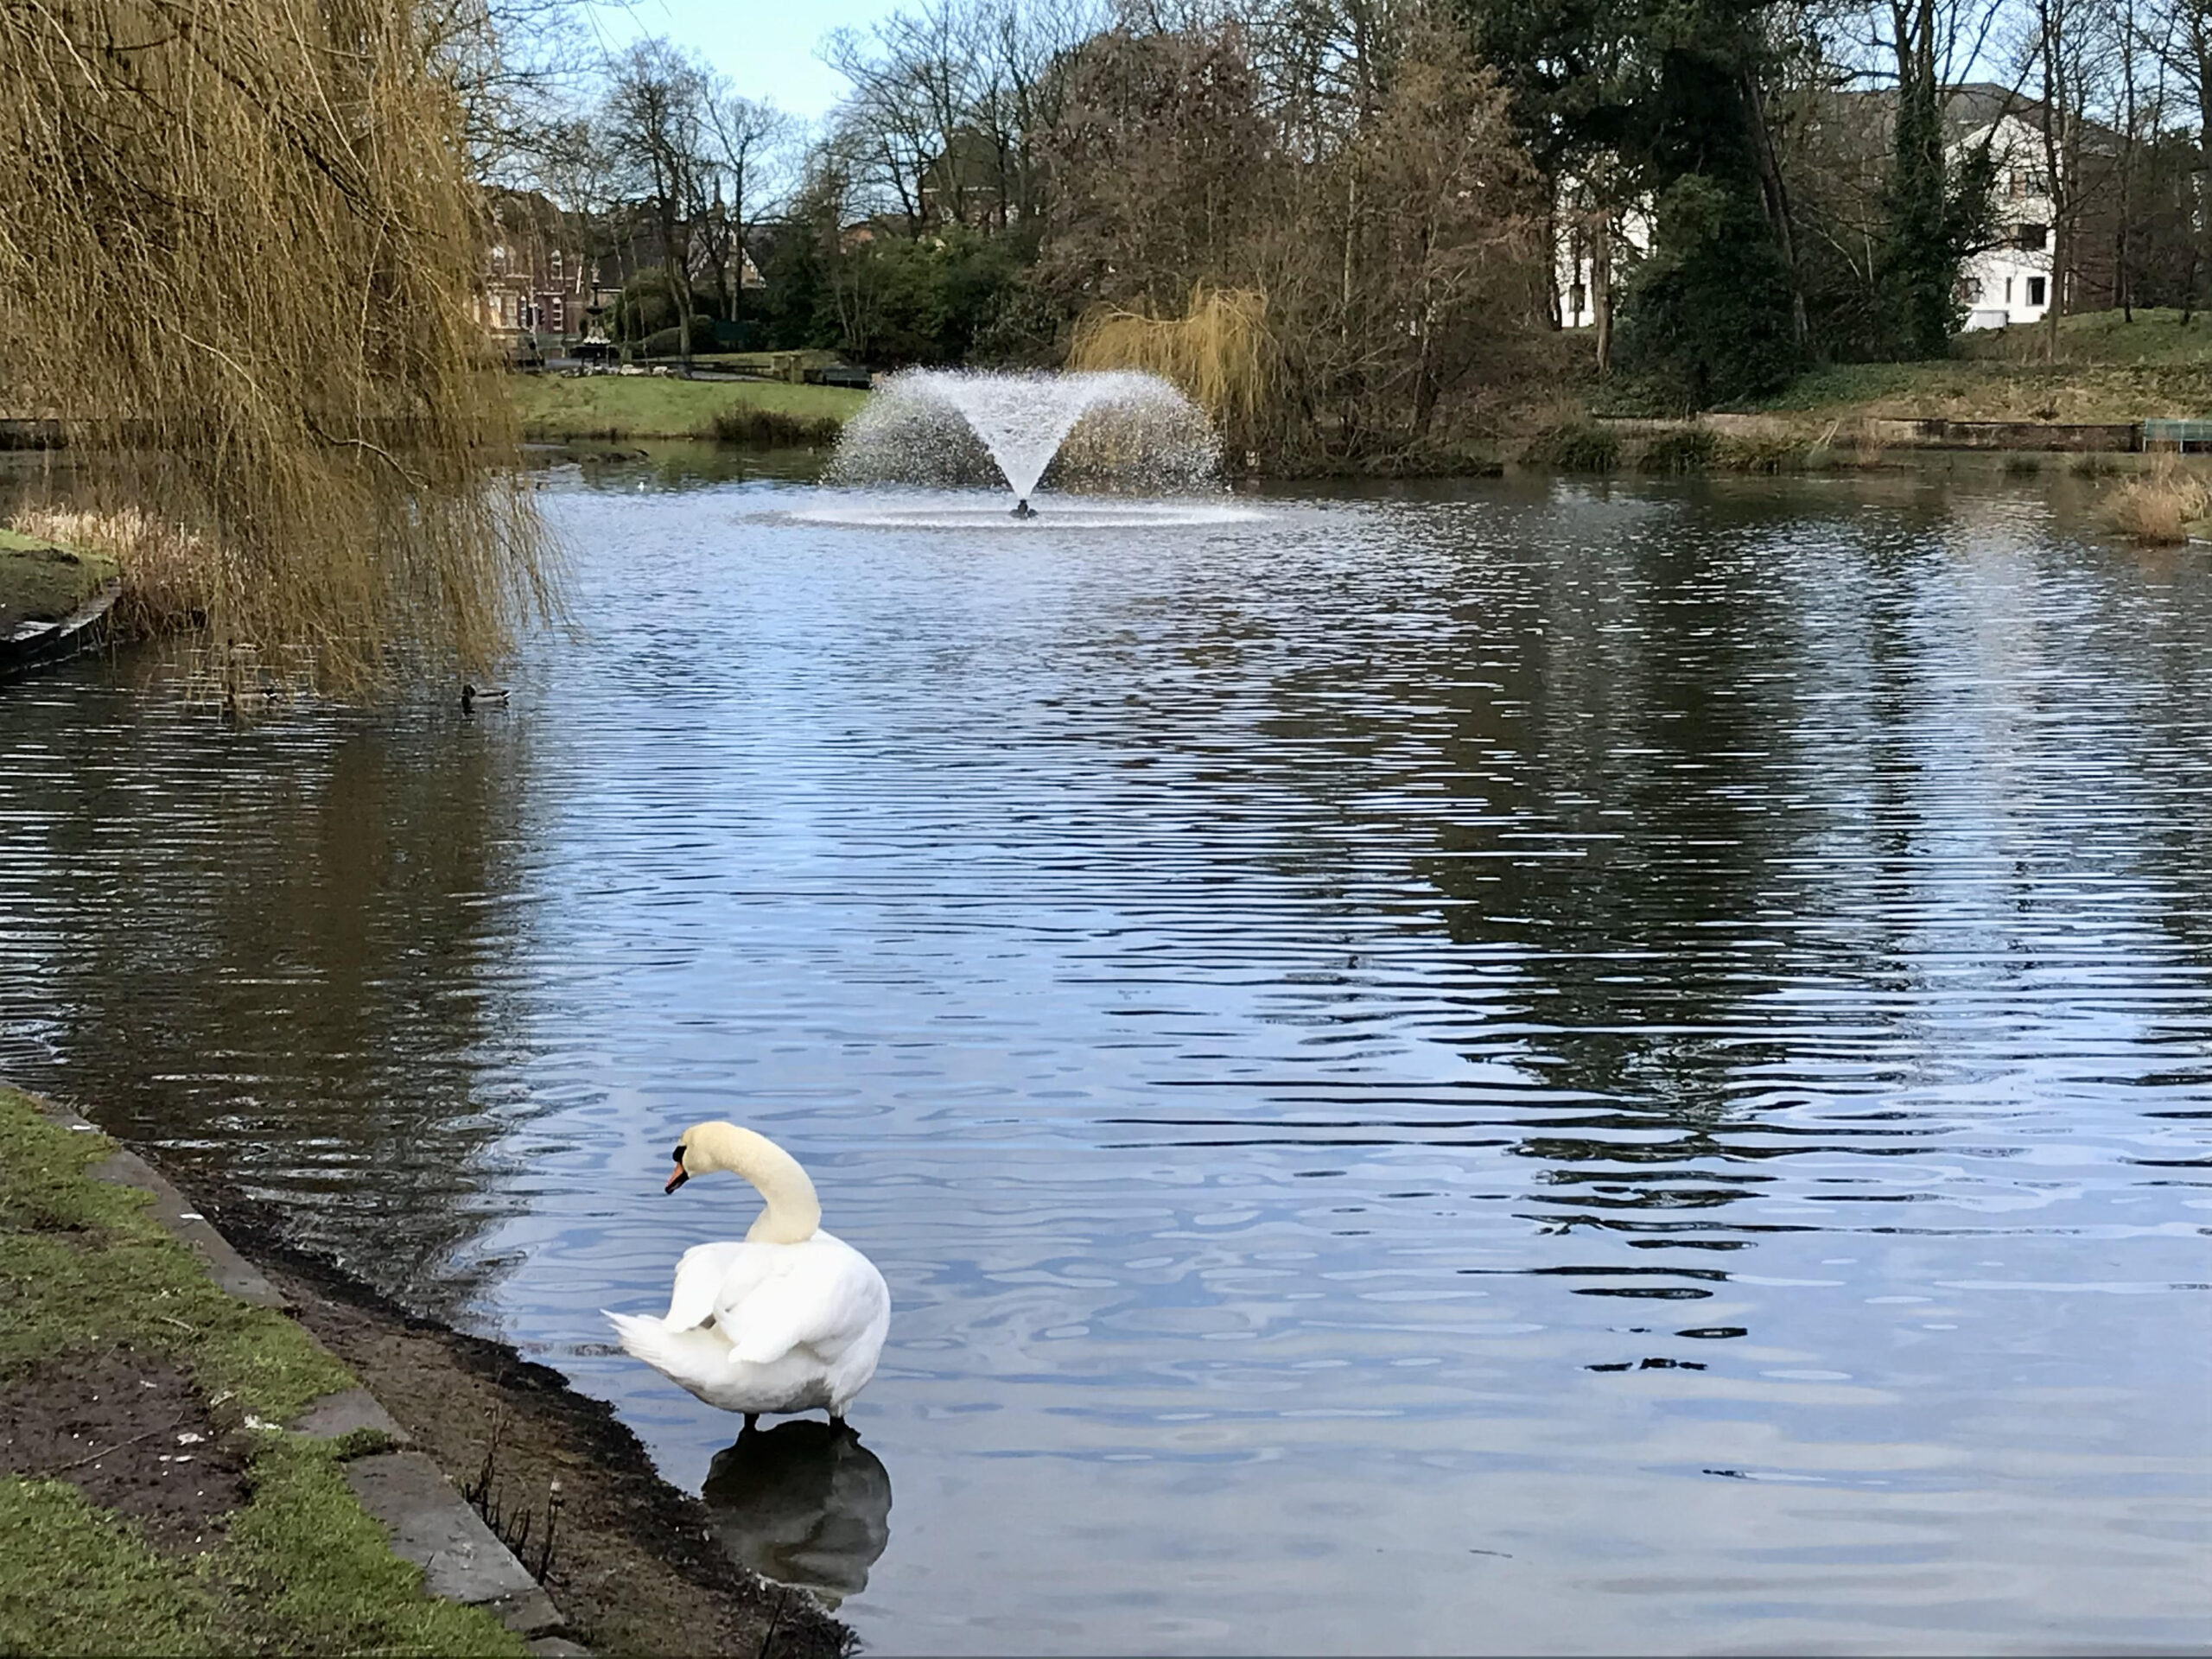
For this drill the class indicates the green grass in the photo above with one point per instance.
(40, 581)
(2154, 337)
(2109, 370)
(302, 1567)
(619, 406)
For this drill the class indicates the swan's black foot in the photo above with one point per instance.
(752, 1420)
(835, 1421)
(1023, 510)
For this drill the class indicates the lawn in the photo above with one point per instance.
(616, 407)
(2150, 337)
(2109, 369)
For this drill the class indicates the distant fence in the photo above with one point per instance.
(2187, 438)
(2114, 437)
(30, 435)
(2109, 437)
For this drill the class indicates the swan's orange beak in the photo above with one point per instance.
(678, 1180)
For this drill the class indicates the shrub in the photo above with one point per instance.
(2023, 465)
(1762, 455)
(773, 429)
(2094, 465)
(1573, 447)
(669, 342)
(1687, 450)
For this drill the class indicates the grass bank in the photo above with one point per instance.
(148, 1503)
(619, 407)
(635, 1564)
(1657, 446)
(2108, 368)
(42, 580)
(169, 576)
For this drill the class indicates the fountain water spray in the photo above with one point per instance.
(1120, 429)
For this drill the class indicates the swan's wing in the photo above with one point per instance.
(822, 1294)
(699, 1277)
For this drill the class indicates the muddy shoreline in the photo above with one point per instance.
(632, 1561)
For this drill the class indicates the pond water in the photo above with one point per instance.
(1524, 1067)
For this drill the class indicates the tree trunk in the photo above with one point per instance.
(1776, 196)
(2203, 262)
(2061, 255)
(1601, 286)
(679, 292)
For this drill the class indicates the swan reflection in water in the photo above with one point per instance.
(803, 1503)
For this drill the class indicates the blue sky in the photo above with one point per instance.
(765, 46)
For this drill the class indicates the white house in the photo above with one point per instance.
(1572, 254)
(2007, 282)
(2010, 281)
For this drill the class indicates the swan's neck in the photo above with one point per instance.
(793, 1213)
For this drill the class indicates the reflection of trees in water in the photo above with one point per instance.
(1622, 779)
(276, 954)
(804, 1503)
(1834, 759)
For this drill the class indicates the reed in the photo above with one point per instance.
(238, 244)
(170, 577)
(2158, 505)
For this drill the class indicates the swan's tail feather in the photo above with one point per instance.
(650, 1339)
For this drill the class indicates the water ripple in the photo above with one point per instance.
(1516, 1068)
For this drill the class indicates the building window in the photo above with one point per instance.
(2035, 291)
(2030, 239)
(559, 321)
(555, 258)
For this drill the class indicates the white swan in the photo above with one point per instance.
(788, 1319)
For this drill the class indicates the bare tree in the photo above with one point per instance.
(654, 119)
(2068, 49)
(515, 64)
(948, 99)
(747, 144)
(2177, 35)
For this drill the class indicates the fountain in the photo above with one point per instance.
(1116, 431)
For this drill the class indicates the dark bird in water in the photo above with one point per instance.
(1023, 510)
(473, 694)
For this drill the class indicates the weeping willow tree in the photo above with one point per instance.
(239, 247)
(1218, 352)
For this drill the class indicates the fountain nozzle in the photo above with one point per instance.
(1023, 510)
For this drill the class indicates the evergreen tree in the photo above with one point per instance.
(1674, 88)
(1936, 210)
